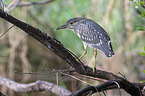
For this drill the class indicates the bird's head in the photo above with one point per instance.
(70, 24)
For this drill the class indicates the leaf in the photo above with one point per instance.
(143, 14)
(140, 28)
(143, 71)
(141, 2)
(136, 3)
(136, 6)
(140, 16)
(143, 54)
(144, 48)
(142, 81)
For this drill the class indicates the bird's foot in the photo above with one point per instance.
(94, 69)
(78, 59)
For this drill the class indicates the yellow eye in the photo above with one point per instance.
(71, 23)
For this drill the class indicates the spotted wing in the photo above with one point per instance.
(95, 36)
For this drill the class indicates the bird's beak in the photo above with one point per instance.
(61, 27)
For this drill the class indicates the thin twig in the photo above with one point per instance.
(89, 77)
(54, 85)
(7, 31)
(13, 7)
(76, 78)
(122, 75)
(2, 4)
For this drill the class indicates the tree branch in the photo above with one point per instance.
(36, 86)
(113, 84)
(92, 89)
(55, 46)
(34, 3)
(1, 94)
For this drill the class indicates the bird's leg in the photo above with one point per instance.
(78, 59)
(83, 54)
(85, 46)
(95, 58)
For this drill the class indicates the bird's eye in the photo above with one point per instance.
(71, 23)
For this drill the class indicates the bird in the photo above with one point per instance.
(91, 34)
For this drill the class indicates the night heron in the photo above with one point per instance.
(91, 34)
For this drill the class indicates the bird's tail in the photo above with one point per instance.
(106, 48)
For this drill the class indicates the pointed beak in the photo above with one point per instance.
(60, 27)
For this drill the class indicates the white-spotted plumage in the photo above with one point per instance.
(91, 34)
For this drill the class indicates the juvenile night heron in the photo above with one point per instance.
(91, 34)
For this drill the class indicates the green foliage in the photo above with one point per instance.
(140, 28)
(138, 3)
(143, 14)
(144, 73)
(142, 81)
(143, 53)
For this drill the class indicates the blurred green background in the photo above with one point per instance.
(19, 52)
